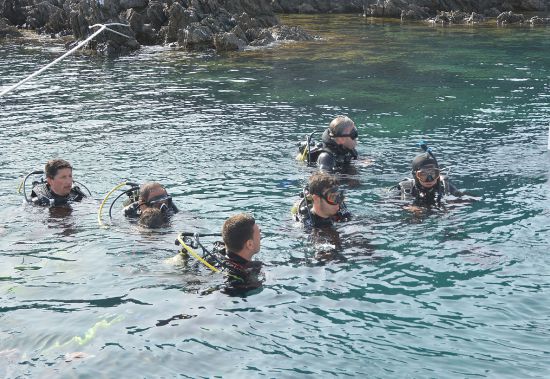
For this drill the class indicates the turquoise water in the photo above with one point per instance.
(449, 294)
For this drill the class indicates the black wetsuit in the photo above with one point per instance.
(306, 216)
(242, 275)
(409, 189)
(43, 195)
(328, 155)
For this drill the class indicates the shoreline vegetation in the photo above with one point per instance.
(232, 25)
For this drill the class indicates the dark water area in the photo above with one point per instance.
(461, 292)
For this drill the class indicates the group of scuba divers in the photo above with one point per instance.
(320, 206)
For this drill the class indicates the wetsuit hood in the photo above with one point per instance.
(423, 160)
(334, 147)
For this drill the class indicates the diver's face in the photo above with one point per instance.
(62, 182)
(256, 239)
(427, 176)
(157, 192)
(327, 207)
(348, 142)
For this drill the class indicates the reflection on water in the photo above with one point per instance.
(448, 293)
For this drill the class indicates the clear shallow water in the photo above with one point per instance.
(462, 293)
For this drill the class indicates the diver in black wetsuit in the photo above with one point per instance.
(59, 188)
(322, 203)
(428, 186)
(241, 236)
(151, 204)
(337, 149)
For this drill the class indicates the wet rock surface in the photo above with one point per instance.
(223, 25)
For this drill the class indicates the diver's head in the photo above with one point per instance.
(154, 195)
(342, 130)
(425, 170)
(241, 235)
(326, 195)
(59, 175)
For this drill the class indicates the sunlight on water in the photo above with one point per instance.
(455, 293)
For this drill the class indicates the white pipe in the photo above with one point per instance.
(102, 28)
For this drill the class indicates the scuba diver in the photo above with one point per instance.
(233, 257)
(58, 189)
(322, 203)
(428, 186)
(150, 203)
(337, 149)
(241, 237)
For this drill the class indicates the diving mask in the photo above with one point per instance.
(428, 174)
(333, 196)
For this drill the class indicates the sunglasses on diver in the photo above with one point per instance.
(427, 174)
(353, 134)
(333, 196)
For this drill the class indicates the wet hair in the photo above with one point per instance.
(339, 125)
(53, 166)
(152, 218)
(146, 189)
(320, 182)
(237, 230)
(423, 160)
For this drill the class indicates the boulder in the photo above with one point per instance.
(178, 19)
(510, 18)
(414, 13)
(263, 38)
(48, 17)
(475, 18)
(539, 21)
(196, 37)
(228, 42)
(13, 11)
(7, 30)
(156, 13)
(128, 4)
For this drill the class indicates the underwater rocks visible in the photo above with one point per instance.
(223, 25)
(410, 9)
(457, 17)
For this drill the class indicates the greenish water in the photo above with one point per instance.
(451, 294)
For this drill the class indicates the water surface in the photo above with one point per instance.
(455, 293)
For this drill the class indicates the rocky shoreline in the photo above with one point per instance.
(228, 25)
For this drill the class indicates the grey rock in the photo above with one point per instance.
(48, 17)
(196, 37)
(7, 30)
(127, 4)
(228, 42)
(263, 38)
(539, 21)
(510, 18)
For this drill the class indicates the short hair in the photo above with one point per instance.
(237, 230)
(339, 124)
(152, 218)
(54, 165)
(320, 182)
(146, 189)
